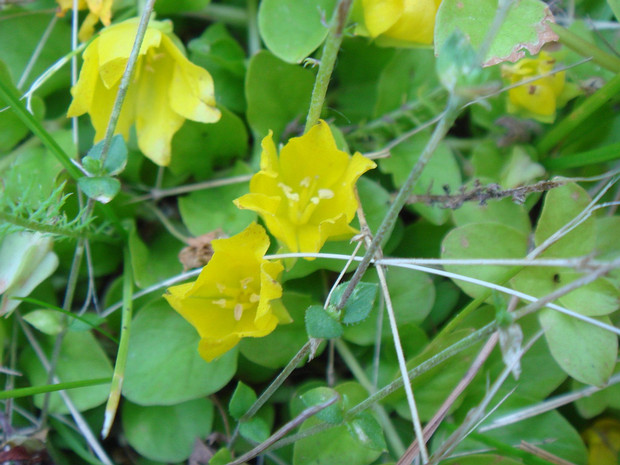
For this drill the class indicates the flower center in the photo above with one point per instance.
(303, 201)
(237, 299)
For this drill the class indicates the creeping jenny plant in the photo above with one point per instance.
(236, 295)
(306, 196)
(166, 88)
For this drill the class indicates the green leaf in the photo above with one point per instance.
(320, 324)
(47, 321)
(218, 52)
(13, 129)
(360, 302)
(276, 349)
(80, 353)
(167, 434)
(482, 240)
(221, 457)
(293, 29)
(335, 446)
(218, 201)
(367, 431)
(115, 161)
(255, 429)
(163, 366)
(503, 211)
(198, 148)
(175, 7)
(525, 28)
(584, 351)
(278, 94)
(100, 188)
(332, 414)
(482, 459)
(241, 400)
(20, 36)
(596, 403)
(561, 206)
(441, 172)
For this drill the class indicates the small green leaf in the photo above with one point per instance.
(525, 28)
(255, 429)
(100, 188)
(332, 414)
(241, 400)
(457, 63)
(277, 93)
(293, 29)
(359, 304)
(367, 430)
(320, 324)
(221, 457)
(584, 351)
(49, 322)
(115, 161)
(167, 433)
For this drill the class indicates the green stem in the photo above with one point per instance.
(123, 348)
(126, 79)
(422, 368)
(571, 122)
(587, 49)
(446, 121)
(388, 428)
(591, 157)
(34, 390)
(219, 13)
(288, 369)
(328, 60)
(252, 22)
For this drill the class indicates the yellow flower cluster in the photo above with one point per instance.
(398, 22)
(166, 89)
(540, 98)
(305, 197)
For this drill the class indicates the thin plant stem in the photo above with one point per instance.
(547, 405)
(252, 23)
(358, 372)
(444, 124)
(422, 368)
(77, 416)
(126, 79)
(123, 347)
(37, 52)
(572, 121)
(586, 49)
(328, 60)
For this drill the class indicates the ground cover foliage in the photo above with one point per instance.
(309, 232)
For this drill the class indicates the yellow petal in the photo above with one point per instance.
(87, 28)
(269, 156)
(115, 44)
(209, 349)
(380, 15)
(84, 90)
(156, 121)
(191, 91)
(417, 22)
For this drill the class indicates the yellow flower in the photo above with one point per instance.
(99, 10)
(603, 441)
(399, 22)
(538, 99)
(306, 197)
(236, 294)
(166, 88)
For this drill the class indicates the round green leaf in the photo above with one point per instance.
(277, 93)
(503, 211)
(482, 240)
(320, 324)
(561, 206)
(241, 400)
(81, 357)
(584, 351)
(276, 349)
(100, 188)
(525, 28)
(293, 29)
(167, 434)
(47, 321)
(319, 395)
(163, 366)
(222, 212)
